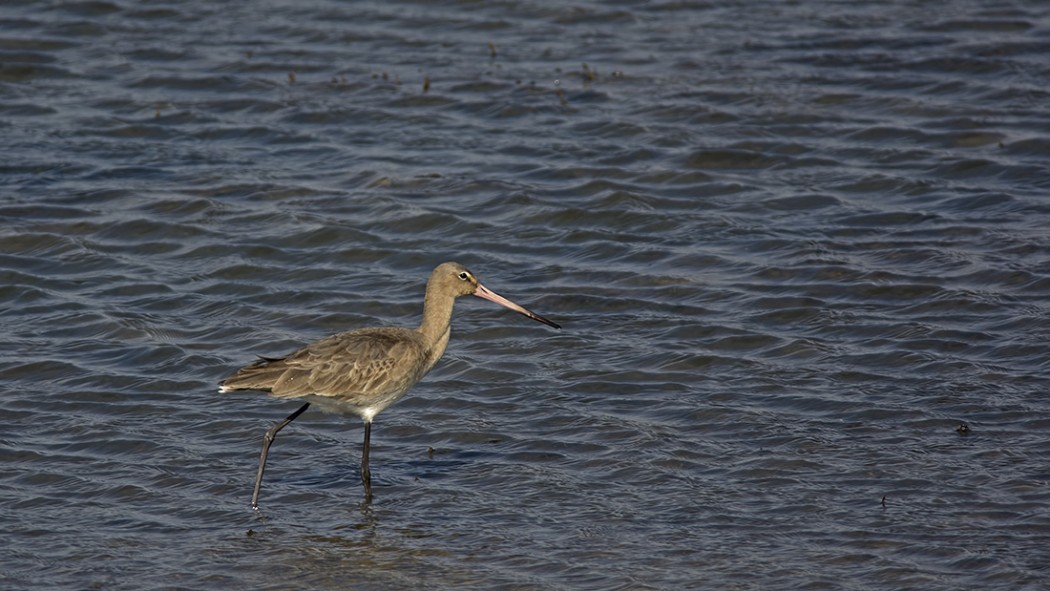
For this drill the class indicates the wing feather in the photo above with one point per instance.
(356, 366)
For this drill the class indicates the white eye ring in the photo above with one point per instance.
(464, 275)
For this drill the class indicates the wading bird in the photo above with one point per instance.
(364, 371)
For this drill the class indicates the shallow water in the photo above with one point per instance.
(794, 248)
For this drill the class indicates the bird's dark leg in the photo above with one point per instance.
(267, 442)
(366, 474)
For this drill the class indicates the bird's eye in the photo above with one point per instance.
(464, 275)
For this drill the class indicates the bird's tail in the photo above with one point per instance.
(260, 375)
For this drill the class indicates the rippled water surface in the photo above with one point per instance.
(800, 251)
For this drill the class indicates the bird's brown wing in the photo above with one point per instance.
(356, 365)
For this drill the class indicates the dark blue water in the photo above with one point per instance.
(799, 251)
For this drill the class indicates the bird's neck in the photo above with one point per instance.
(437, 317)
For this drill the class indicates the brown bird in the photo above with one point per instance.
(364, 371)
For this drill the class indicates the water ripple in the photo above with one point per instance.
(799, 261)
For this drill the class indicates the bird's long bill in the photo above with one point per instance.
(486, 293)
